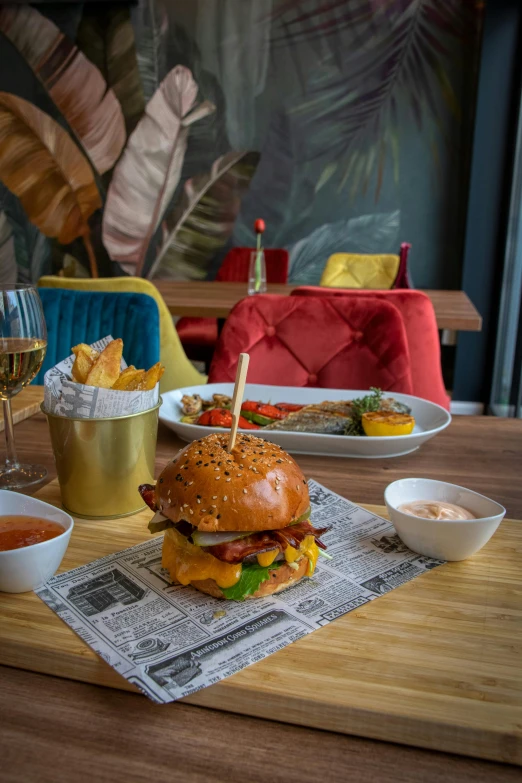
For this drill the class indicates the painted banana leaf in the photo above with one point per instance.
(377, 233)
(66, 16)
(151, 25)
(31, 247)
(43, 167)
(75, 85)
(204, 218)
(282, 191)
(298, 24)
(71, 267)
(8, 266)
(242, 67)
(106, 38)
(354, 110)
(320, 20)
(149, 170)
(208, 138)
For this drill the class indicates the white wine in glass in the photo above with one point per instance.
(23, 342)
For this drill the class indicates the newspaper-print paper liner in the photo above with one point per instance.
(171, 641)
(64, 397)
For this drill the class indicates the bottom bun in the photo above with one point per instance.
(279, 579)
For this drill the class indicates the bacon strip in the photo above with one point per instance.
(148, 494)
(237, 551)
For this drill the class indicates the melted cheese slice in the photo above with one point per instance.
(267, 558)
(291, 554)
(312, 553)
(188, 563)
(308, 548)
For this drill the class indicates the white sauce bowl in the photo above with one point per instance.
(29, 567)
(441, 538)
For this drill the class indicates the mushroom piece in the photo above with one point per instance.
(191, 404)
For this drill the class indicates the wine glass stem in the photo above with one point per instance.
(10, 451)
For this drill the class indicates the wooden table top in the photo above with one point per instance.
(57, 730)
(479, 452)
(211, 299)
(25, 405)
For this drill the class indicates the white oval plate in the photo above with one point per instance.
(430, 419)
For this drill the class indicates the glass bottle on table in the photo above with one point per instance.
(23, 343)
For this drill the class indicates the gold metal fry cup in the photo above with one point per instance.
(101, 462)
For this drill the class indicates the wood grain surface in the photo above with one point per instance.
(480, 452)
(211, 299)
(57, 731)
(24, 405)
(435, 663)
(69, 722)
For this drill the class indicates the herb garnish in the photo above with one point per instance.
(368, 404)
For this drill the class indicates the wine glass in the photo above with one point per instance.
(23, 342)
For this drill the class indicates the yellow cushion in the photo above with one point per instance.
(179, 371)
(349, 270)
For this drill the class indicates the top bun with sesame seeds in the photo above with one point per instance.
(257, 486)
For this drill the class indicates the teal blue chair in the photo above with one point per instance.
(74, 317)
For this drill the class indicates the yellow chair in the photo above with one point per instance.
(349, 270)
(179, 371)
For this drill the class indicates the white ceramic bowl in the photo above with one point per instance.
(439, 538)
(30, 566)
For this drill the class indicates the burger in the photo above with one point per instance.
(237, 524)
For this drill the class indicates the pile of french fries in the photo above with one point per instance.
(103, 369)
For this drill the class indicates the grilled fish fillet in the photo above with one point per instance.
(389, 404)
(326, 418)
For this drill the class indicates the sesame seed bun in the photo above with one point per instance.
(257, 486)
(279, 579)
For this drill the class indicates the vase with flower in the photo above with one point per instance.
(257, 268)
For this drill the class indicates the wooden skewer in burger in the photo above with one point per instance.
(236, 513)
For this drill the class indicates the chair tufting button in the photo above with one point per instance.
(270, 331)
(357, 336)
(312, 378)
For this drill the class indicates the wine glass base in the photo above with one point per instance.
(20, 476)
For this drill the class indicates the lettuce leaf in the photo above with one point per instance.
(252, 576)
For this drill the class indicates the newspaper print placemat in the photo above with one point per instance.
(64, 397)
(171, 641)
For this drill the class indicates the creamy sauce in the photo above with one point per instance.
(436, 509)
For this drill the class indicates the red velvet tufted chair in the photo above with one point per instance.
(199, 335)
(315, 341)
(421, 332)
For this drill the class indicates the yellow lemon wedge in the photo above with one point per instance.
(383, 424)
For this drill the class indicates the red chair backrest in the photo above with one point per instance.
(421, 331)
(234, 268)
(326, 342)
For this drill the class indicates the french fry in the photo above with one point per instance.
(134, 383)
(82, 366)
(103, 369)
(84, 348)
(127, 371)
(141, 380)
(152, 377)
(128, 379)
(106, 369)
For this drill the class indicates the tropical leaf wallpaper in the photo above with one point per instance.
(146, 138)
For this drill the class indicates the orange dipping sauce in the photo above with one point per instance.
(19, 531)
